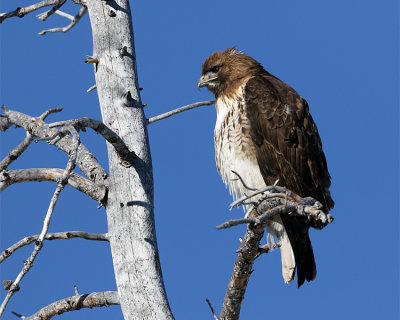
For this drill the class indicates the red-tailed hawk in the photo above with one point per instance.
(264, 132)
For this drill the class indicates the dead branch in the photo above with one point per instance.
(66, 235)
(95, 191)
(242, 269)
(74, 21)
(48, 112)
(92, 88)
(286, 192)
(81, 2)
(4, 123)
(37, 127)
(16, 152)
(124, 154)
(43, 16)
(18, 315)
(20, 12)
(179, 110)
(318, 219)
(92, 300)
(212, 309)
(241, 181)
(269, 205)
(39, 242)
(65, 15)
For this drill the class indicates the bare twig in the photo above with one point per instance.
(66, 235)
(20, 12)
(212, 309)
(81, 2)
(259, 219)
(82, 11)
(39, 242)
(65, 15)
(279, 189)
(16, 152)
(179, 110)
(234, 222)
(95, 299)
(95, 191)
(35, 126)
(48, 112)
(18, 315)
(125, 156)
(242, 181)
(92, 88)
(43, 16)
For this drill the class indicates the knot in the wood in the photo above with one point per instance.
(123, 51)
(128, 99)
(4, 176)
(20, 12)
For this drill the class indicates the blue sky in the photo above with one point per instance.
(341, 56)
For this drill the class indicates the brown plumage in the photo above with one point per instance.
(264, 131)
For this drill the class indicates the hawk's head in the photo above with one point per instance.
(224, 71)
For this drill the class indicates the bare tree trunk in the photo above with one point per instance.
(130, 199)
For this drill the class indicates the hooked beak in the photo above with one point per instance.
(204, 81)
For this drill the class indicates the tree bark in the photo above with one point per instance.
(130, 200)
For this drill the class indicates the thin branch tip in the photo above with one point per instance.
(179, 110)
(92, 88)
(74, 21)
(212, 309)
(18, 315)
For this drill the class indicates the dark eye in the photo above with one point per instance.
(215, 69)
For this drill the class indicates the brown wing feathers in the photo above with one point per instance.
(288, 148)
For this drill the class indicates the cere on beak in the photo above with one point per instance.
(204, 80)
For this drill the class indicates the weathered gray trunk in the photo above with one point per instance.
(130, 200)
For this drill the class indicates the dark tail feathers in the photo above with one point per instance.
(297, 230)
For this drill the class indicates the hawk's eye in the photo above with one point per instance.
(215, 69)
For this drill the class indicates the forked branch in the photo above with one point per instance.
(37, 127)
(20, 12)
(95, 191)
(124, 154)
(74, 21)
(43, 16)
(17, 151)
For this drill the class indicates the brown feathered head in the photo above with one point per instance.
(223, 71)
